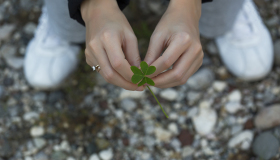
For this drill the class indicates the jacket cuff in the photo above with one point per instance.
(75, 12)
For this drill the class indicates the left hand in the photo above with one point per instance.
(178, 32)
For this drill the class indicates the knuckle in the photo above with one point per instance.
(108, 76)
(167, 63)
(93, 44)
(107, 35)
(117, 63)
(131, 37)
(183, 37)
(198, 48)
(182, 81)
(178, 75)
(155, 36)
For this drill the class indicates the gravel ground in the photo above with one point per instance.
(214, 116)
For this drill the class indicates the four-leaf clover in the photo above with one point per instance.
(141, 75)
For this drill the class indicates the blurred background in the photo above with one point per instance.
(216, 117)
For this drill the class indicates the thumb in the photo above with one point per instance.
(155, 48)
(131, 50)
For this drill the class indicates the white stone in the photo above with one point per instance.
(203, 143)
(243, 139)
(169, 94)
(28, 158)
(131, 94)
(187, 151)
(233, 107)
(106, 154)
(94, 157)
(176, 144)
(128, 104)
(70, 158)
(162, 134)
(29, 116)
(173, 116)
(173, 128)
(219, 86)
(37, 131)
(64, 145)
(235, 96)
(205, 120)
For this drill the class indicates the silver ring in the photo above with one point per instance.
(97, 68)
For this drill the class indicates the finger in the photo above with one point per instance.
(179, 44)
(131, 49)
(190, 72)
(107, 72)
(180, 68)
(112, 45)
(155, 48)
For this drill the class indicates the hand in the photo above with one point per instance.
(110, 42)
(178, 32)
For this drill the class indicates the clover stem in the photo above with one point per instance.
(157, 102)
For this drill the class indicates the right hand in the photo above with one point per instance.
(110, 42)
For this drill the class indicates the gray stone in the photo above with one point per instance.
(15, 62)
(2, 91)
(7, 51)
(268, 117)
(266, 145)
(58, 155)
(40, 96)
(277, 52)
(273, 21)
(41, 156)
(30, 28)
(212, 48)
(202, 79)
(149, 141)
(128, 104)
(39, 142)
(193, 97)
(6, 30)
(29, 116)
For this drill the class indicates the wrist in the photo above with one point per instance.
(90, 8)
(187, 6)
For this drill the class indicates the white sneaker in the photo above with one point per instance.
(247, 49)
(49, 59)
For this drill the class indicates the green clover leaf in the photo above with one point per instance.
(141, 75)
